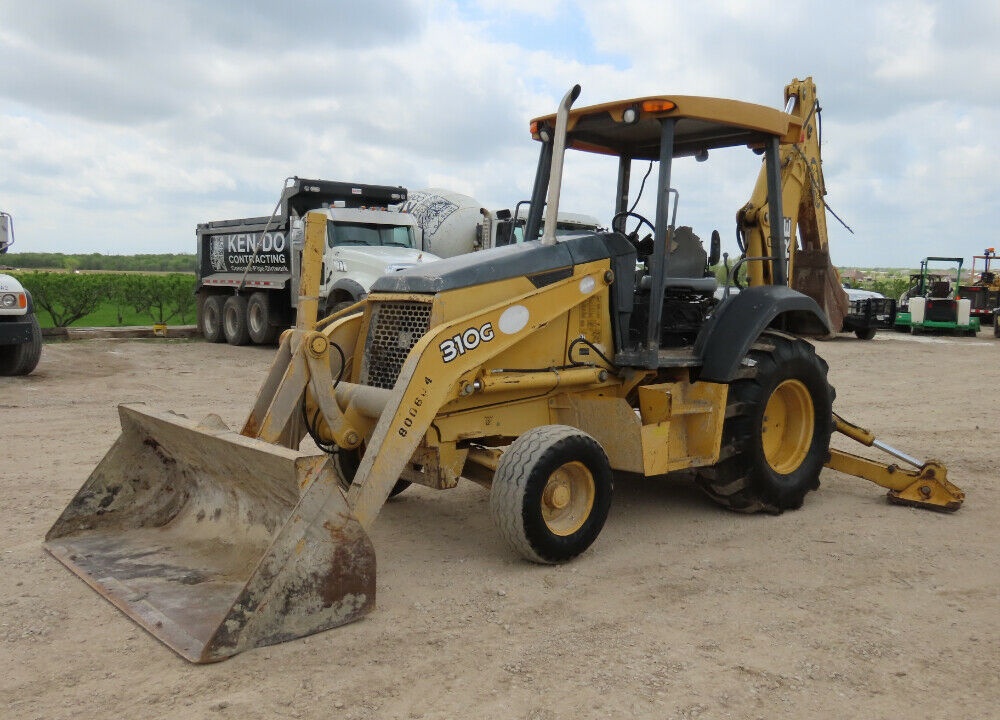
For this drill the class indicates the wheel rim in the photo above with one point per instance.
(788, 426)
(568, 498)
(229, 322)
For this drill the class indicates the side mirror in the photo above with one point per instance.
(6, 233)
(714, 249)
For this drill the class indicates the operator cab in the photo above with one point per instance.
(671, 290)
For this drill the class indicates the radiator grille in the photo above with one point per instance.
(394, 329)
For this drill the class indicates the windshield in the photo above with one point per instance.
(347, 233)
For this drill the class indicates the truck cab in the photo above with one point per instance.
(361, 246)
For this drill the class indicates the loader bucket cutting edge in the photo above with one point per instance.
(213, 542)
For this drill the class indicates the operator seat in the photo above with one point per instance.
(940, 289)
(685, 264)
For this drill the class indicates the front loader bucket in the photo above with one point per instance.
(214, 542)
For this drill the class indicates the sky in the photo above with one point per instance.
(123, 125)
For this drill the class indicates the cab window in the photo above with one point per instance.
(372, 235)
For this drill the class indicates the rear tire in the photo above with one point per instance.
(776, 436)
(996, 324)
(262, 332)
(865, 334)
(234, 320)
(211, 319)
(551, 493)
(23, 358)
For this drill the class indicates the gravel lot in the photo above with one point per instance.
(848, 607)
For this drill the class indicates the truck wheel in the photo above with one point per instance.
(996, 324)
(551, 493)
(262, 332)
(211, 319)
(336, 306)
(23, 358)
(865, 334)
(776, 435)
(347, 462)
(234, 320)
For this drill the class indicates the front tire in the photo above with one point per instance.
(865, 334)
(551, 493)
(776, 436)
(234, 320)
(23, 358)
(211, 319)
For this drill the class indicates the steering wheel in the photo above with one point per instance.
(627, 214)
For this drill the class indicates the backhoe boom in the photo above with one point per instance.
(810, 269)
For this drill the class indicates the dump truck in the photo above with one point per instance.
(248, 268)
(20, 334)
(538, 370)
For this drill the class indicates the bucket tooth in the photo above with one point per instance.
(214, 542)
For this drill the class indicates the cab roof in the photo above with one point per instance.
(703, 123)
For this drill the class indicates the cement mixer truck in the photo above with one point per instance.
(454, 224)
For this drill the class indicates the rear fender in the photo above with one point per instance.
(737, 323)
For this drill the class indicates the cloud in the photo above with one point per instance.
(121, 130)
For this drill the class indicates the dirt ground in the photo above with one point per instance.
(849, 607)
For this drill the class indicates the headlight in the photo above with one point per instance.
(9, 301)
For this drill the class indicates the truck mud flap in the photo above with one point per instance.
(214, 542)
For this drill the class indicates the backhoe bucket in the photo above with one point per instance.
(816, 276)
(214, 542)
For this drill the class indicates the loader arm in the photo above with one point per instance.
(926, 486)
(810, 269)
(431, 378)
(392, 423)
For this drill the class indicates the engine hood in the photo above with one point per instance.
(380, 255)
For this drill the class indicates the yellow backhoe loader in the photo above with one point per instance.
(537, 370)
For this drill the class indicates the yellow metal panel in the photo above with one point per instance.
(610, 420)
(504, 419)
(654, 402)
(658, 447)
(682, 425)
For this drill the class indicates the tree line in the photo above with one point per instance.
(68, 297)
(96, 261)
